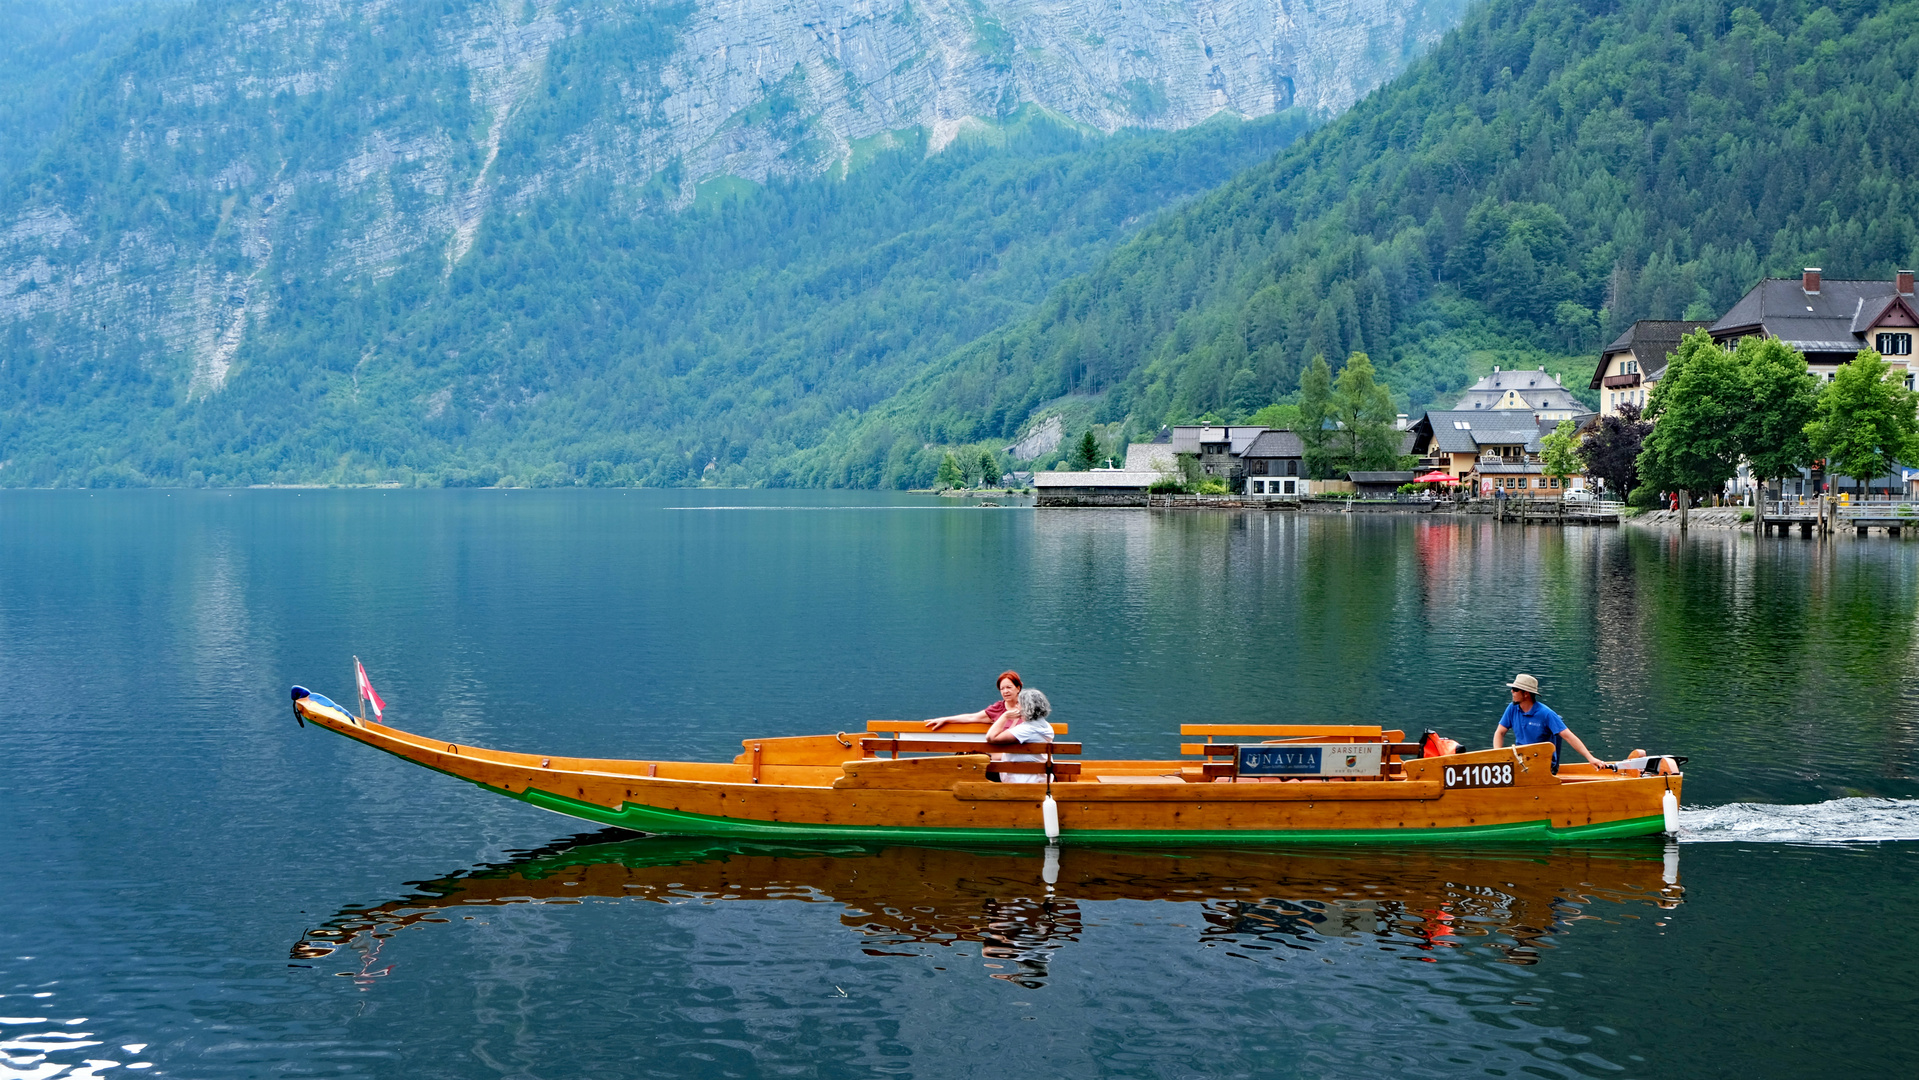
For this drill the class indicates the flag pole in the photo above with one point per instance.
(360, 690)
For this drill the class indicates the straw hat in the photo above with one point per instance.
(1526, 683)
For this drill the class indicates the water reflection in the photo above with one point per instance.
(1021, 909)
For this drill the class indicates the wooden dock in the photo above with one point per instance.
(1826, 516)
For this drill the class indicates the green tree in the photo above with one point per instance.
(1560, 452)
(1364, 411)
(1781, 399)
(989, 471)
(950, 475)
(1315, 408)
(1282, 417)
(1086, 454)
(1696, 408)
(1866, 421)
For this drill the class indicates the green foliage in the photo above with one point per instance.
(1780, 398)
(1866, 421)
(989, 471)
(1696, 411)
(1315, 410)
(1644, 498)
(1363, 409)
(950, 475)
(1282, 417)
(1560, 451)
(1086, 452)
(1211, 485)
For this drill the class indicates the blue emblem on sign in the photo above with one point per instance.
(1279, 760)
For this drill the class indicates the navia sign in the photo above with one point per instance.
(1310, 759)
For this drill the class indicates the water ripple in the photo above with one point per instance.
(1838, 821)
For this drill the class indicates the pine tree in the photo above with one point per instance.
(1086, 455)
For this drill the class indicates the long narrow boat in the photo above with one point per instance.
(895, 781)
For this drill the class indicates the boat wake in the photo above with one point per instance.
(1836, 822)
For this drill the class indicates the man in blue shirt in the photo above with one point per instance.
(1531, 722)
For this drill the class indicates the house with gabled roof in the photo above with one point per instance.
(1488, 452)
(1527, 390)
(1275, 465)
(1632, 363)
(1829, 320)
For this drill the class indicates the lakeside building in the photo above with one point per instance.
(1532, 391)
(1632, 363)
(1489, 452)
(1275, 465)
(1830, 321)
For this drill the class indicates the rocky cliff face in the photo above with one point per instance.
(253, 145)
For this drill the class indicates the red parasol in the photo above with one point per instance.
(1435, 477)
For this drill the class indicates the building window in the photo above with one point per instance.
(1894, 344)
(1259, 487)
(1292, 466)
(1630, 367)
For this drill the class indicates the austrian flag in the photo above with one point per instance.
(367, 691)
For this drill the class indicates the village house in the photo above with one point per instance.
(1531, 391)
(1492, 452)
(1829, 321)
(1630, 365)
(1275, 465)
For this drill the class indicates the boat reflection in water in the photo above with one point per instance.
(1021, 907)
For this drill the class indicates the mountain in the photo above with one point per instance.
(595, 240)
(1550, 172)
(50, 50)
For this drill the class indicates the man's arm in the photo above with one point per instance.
(1499, 736)
(1567, 734)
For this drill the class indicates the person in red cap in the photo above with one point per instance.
(1531, 722)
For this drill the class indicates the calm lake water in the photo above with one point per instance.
(196, 887)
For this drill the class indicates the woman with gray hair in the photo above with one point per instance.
(1029, 726)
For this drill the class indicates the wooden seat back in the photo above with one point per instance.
(1238, 733)
(897, 742)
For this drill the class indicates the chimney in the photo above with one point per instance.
(1495, 369)
(1811, 281)
(1905, 283)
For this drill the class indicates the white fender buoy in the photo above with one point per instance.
(1049, 865)
(1670, 804)
(1049, 814)
(1670, 874)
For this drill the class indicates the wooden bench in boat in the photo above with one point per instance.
(896, 737)
(1286, 751)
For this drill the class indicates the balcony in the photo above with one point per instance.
(1620, 382)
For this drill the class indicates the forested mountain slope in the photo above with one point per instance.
(50, 50)
(1553, 170)
(660, 242)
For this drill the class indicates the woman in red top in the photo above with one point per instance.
(1009, 688)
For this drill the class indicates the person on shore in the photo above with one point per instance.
(1029, 726)
(1532, 722)
(1009, 688)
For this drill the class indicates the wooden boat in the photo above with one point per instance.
(896, 781)
(1422, 897)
